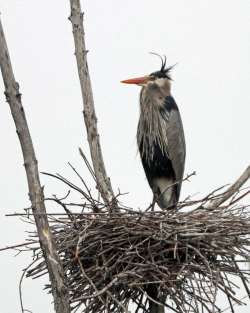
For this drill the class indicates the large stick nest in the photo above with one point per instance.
(111, 259)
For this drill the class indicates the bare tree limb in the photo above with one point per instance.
(103, 181)
(231, 190)
(13, 97)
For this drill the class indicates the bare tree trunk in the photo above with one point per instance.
(13, 97)
(155, 301)
(103, 181)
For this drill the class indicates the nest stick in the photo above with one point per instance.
(231, 190)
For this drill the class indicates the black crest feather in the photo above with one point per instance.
(164, 71)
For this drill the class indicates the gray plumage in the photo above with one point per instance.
(161, 142)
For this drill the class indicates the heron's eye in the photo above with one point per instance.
(152, 77)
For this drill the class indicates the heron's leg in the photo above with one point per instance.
(153, 202)
(152, 205)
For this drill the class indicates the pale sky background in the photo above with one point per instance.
(210, 40)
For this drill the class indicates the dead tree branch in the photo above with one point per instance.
(231, 190)
(103, 181)
(13, 97)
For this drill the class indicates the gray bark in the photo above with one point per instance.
(13, 97)
(103, 181)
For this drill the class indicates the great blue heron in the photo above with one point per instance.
(160, 136)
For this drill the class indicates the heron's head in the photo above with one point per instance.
(156, 81)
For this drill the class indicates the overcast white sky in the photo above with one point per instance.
(209, 39)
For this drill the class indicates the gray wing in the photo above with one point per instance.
(176, 140)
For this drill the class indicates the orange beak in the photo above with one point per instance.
(138, 81)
